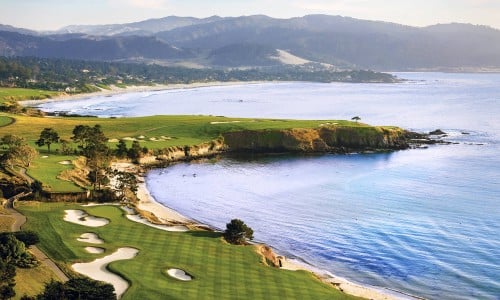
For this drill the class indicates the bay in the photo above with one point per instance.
(423, 221)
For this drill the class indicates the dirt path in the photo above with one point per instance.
(19, 221)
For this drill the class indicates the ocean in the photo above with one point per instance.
(423, 221)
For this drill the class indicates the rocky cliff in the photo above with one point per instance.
(337, 139)
(177, 153)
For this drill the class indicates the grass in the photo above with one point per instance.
(183, 130)
(47, 169)
(6, 223)
(4, 121)
(31, 281)
(220, 270)
(17, 94)
(103, 86)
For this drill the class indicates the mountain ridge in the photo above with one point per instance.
(252, 41)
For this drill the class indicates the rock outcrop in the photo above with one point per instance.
(177, 153)
(337, 139)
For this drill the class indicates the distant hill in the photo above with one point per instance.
(89, 48)
(146, 27)
(257, 41)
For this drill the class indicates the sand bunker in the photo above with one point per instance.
(128, 210)
(139, 219)
(94, 250)
(97, 269)
(179, 274)
(82, 218)
(224, 122)
(66, 162)
(90, 238)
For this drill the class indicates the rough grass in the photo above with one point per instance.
(17, 94)
(6, 223)
(220, 270)
(32, 281)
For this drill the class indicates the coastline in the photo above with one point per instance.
(114, 90)
(147, 203)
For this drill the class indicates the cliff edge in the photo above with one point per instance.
(336, 139)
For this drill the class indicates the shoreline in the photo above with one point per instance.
(114, 90)
(170, 216)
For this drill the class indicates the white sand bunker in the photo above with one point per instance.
(82, 218)
(94, 250)
(66, 162)
(179, 274)
(90, 238)
(97, 269)
(175, 228)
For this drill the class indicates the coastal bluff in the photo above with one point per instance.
(324, 139)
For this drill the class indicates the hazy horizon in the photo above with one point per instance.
(56, 14)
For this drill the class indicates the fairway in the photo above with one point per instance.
(219, 270)
(17, 94)
(46, 168)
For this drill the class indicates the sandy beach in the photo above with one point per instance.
(114, 90)
(147, 202)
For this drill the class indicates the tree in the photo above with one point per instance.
(28, 237)
(125, 181)
(237, 232)
(18, 152)
(47, 137)
(80, 133)
(121, 149)
(356, 119)
(65, 148)
(134, 153)
(11, 249)
(78, 288)
(22, 156)
(94, 147)
(7, 292)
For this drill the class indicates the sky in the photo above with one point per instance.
(55, 14)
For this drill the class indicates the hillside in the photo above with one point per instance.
(254, 40)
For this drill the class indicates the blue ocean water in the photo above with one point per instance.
(424, 221)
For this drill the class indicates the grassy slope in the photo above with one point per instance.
(221, 271)
(32, 281)
(15, 94)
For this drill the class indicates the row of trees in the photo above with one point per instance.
(56, 74)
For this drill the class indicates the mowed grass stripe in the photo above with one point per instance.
(221, 271)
